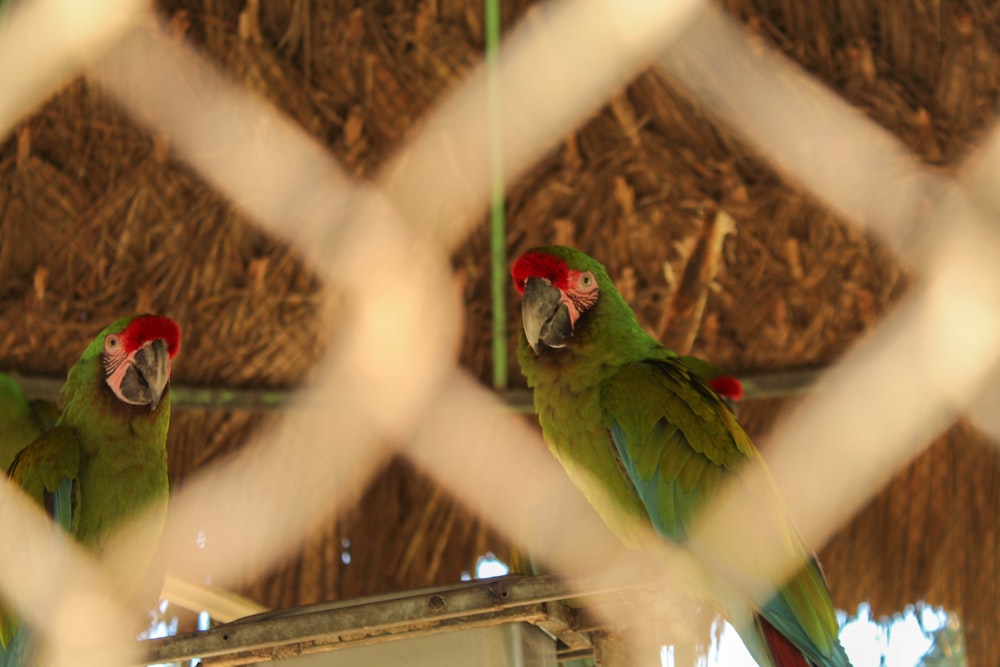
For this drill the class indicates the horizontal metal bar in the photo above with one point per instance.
(343, 623)
(527, 614)
(181, 396)
(562, 623)
(756, 387)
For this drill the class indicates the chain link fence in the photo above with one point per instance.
(876, 409)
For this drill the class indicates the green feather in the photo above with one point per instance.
(670, 459)
(19, 423)
(647, 460)
(46, 413)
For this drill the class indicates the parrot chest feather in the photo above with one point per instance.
(123, 459)
(124, 477)
(571, 420)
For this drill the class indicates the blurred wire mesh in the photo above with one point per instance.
(866, 420)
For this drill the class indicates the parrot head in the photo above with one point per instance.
(567, 296)
(135, 356)
(559, 287)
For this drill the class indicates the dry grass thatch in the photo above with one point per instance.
(98, 219)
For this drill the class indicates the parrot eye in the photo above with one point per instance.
(588, 282)
(111, 343)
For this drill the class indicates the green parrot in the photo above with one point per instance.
(105, 460)
(21, 420)
(650, 442)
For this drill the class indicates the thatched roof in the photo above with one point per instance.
(98, 219)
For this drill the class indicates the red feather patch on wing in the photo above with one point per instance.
(145, 328)
(727, 386)
(537, 264)
(783, 652)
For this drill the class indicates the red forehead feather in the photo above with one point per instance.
(537, 264)
(149, 327)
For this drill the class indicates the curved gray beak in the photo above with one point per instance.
(544, 316)
(147, 378)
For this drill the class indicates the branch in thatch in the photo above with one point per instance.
(681, 319)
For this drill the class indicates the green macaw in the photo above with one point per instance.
(105, 460)
(650, 442)
(21, 420)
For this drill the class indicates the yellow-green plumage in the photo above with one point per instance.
(21, 420)
(647, 440)
(105, 460)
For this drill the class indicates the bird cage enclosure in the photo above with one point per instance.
(304, 187)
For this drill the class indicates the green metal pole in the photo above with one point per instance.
(498, 231)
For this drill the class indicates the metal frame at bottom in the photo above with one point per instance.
(486, 603)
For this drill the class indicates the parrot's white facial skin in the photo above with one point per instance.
(581, 293)
(138, 377)
(554, 298)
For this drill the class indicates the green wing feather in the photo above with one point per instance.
(43, 466)
(46, 413)
(679, 442)
(19, 424)
(21, 420)
(47, 470)
(673, 445)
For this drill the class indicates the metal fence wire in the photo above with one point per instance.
(864, 422)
